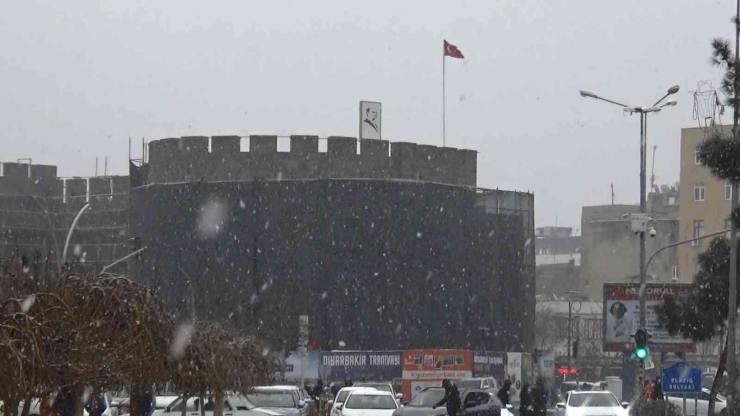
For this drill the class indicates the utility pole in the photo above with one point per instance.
(732, 310)
(612, 186)
(643, 180)
(652, 170)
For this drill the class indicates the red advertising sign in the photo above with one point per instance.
(621, 316)
(427, 368)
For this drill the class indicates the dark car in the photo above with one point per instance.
(475, 402)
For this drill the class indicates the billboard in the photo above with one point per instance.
(425, 368)
(514, 372)
(490, 364)
(370, 120)
(361, 365)
(300, 366)
(621, 316)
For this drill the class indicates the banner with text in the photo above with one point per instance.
(621, 316)
(490, 364)
(361, 365)
(432, 366)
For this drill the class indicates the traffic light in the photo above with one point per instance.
(641, 341)
(575, 349)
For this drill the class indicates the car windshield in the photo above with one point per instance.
(376, 386)
(592, 400)
(468, 384)
(370, 401)
(267, 398)
(342, 396)
(427, 398)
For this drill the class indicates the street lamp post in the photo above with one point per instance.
(69, 235)
(573, 299)
(643, 111)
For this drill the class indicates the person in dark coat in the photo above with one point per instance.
(146, 403)
(348, 383)
(318, 389)
(95, 404)
(451, 399)
(64, 404)
(657, 389)
(539, 398)
(504, 394)
(334, 387)
(525, 400)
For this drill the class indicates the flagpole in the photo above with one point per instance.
(444, 102)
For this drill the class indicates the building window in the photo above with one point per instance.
(671, 200)
(699, 191)
(699, 230)
(674, 273)
(696, 156)
(728, 191)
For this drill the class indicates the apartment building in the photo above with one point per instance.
(704, 202)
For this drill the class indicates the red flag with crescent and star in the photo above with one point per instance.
(452, 51)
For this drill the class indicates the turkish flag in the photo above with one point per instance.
(452, 51)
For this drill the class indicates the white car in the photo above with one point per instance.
(701, 407)
(591, 403)
(368, 402)
(285, 400)
(234, 405)
(381, 386)
(341, 397)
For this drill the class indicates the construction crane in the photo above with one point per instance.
(652, 173)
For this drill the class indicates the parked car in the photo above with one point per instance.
(368, 402)
(161, 403)
(591, 403)
(488, 384)
(341, 397)
(381, 386)
(234, 405)
(474, 402)
(285, 400)
(702, 404)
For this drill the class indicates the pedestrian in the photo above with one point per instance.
(334, 387)
(64, 403)
(539, 398)
(318, 390)
(95, 404)
(657, 389)
(451, 399)
(525, 400)
(504, 394)
(146, 402)
(348, 383)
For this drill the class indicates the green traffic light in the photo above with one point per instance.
(641, 353)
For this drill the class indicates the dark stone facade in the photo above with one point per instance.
(376, 264)
(383, 245)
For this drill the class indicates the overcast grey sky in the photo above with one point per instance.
(78, 78)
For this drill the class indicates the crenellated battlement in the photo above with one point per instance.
(188, 159)
(42, 181)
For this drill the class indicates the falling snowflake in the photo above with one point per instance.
(27, 303)
(181, 341)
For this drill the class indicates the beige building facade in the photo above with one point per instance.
(704, 203)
